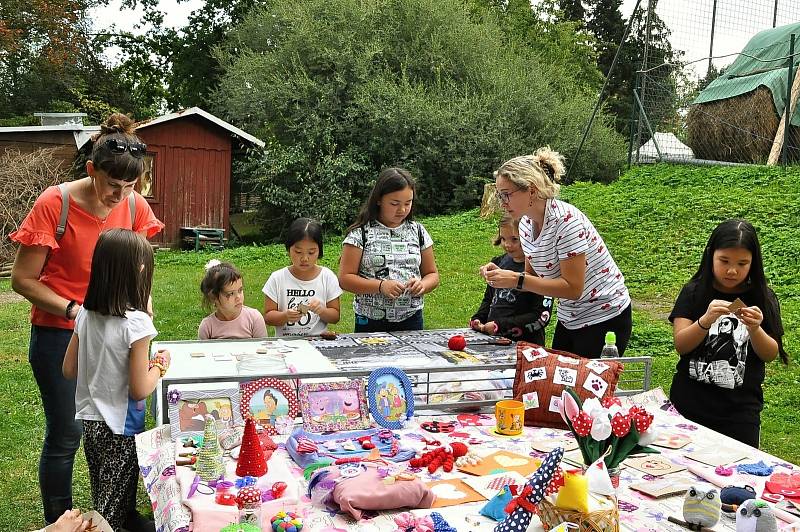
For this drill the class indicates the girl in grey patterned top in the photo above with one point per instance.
(387, 258)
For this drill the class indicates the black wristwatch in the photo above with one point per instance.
(69, 308)
(520, 280)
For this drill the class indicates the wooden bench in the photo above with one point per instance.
(197, 238)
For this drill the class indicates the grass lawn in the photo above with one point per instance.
(655, 221)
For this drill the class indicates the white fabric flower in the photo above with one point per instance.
(213, 262)
(646, 438)
(601, 427)
(591, 405)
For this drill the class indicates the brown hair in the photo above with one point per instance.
(506, 220)
(122, 166)
(389, 180)
(118, 282)
(218, 276)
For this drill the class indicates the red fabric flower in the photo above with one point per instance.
(642, 420)
(620, 425)
(582, 423)
(556, 482)
(609, 401)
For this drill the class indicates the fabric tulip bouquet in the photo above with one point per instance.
(607, 430)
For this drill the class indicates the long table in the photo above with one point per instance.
(638, 512)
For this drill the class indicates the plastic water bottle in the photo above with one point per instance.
(610, 349)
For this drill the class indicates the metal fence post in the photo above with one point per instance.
(790, 79)
(633, 121)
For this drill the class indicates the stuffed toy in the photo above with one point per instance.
(754, 515)
(521, 510)
(444, 457)
(701, 507)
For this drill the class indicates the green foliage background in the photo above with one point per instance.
(655, 220)
(343, 88)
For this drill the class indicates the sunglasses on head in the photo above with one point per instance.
(117, 147)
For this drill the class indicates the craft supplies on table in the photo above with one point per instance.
(637, 511)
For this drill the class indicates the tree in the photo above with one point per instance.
(572, 10)
(342, 88)
(167, 68)
(547, 30)
(50, 62)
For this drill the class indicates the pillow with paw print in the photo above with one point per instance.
(542, 374)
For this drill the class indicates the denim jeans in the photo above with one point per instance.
(62, 434)
(412, 323)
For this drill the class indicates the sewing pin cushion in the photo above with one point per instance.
(391, 401)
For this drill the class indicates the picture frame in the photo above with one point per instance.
(334, 406)
(268, 400)
(390, 397)
(188, 404)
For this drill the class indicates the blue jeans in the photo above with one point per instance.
(62, 434)
(412, 323)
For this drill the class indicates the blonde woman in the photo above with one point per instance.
(565, 257)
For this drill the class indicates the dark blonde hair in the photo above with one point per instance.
(218, 276)
(543, 171)
(123, 166)
(118, 281)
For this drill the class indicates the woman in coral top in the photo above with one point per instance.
(51, 271)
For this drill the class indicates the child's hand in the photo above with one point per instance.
(165, 355)
(415, 287)
(476, 325)
(392, 289)
(751, 317)
(315, 305)
(489, 328)
(70, 521)
(716, 308)
(293, 316)
(486, 268)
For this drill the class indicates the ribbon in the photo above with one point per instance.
(521, 501)
(408, 522)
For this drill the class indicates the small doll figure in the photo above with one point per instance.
(755, 515)
(701, 507)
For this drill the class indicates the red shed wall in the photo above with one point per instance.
(193, 175)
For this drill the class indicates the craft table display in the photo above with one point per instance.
(198, 362)
(195, 362)
(505, 458)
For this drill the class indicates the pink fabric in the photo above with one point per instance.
(208, 516)
(249, 324)
(368, 491)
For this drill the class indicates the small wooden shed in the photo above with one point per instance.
(188, 176)
(187, 180)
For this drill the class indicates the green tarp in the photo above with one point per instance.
(762, 62)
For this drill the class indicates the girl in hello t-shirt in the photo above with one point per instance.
(302, 299)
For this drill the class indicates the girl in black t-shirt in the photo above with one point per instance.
(722, 353)
(509, 312)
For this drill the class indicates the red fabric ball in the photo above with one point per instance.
(457, 343)
(459, 449)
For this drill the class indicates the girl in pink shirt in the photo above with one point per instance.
(223, 290)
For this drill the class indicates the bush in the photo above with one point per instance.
(343, 88)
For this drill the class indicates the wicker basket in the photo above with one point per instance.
(605, 520)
